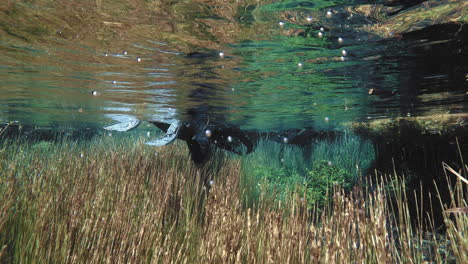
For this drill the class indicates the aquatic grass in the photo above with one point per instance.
(349, 152)
(457, 228)
(276, 167)
(283, 168)
(87, 193)
(124, 202)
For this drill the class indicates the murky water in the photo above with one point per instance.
(89, 63)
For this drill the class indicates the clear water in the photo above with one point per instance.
(55, 54)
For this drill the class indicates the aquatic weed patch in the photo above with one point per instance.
(120, 201)
(311, 170)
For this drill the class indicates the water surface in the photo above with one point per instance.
(89, 63)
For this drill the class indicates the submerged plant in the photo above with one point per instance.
(349, 152)
(319, 182)
(285, 169)
(125, 202)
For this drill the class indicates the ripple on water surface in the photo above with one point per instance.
(81, 66)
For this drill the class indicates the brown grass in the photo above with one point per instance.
(127, 203)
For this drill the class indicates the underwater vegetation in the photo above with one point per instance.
(95, 197)
(312, 170)
(111, 200)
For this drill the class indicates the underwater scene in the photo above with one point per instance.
(229, 131)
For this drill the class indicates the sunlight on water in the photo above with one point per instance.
(259, 66)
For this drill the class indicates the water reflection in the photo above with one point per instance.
(226, 62)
